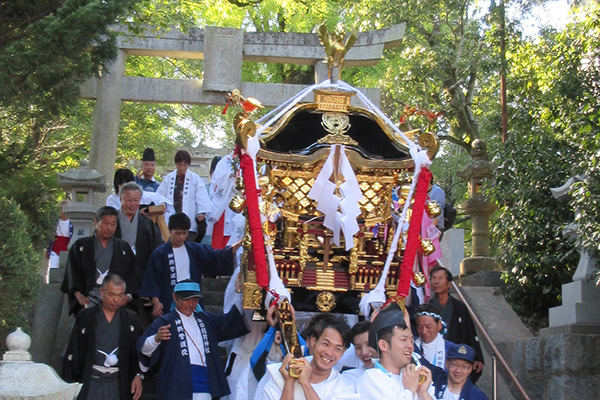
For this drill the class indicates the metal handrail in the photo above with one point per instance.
(495, 352)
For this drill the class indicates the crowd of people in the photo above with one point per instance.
(139, 316)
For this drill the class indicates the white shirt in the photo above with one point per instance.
(354, 373)
(335, 387)
(448, 395)
(376, 384)
(182, 263)
(220, 192)
(434, 351)
(63, 228)
(193, 338)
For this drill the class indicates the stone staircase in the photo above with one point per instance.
(504, 328)
(51, 325)
(213, 290)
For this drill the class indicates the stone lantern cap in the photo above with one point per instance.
(562, 192)
(479, 167)
(82, 177)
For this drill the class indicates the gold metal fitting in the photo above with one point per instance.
(419, 279)
(433, 209)
(263, 180)
(294, 372)
(427, 247)
(403, 192)
(244, 128)
(239, 183)
(325, 301)
(237, 204)
(247, 243)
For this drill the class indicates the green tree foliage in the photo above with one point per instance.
(554, 119)
(18, 267)
(535, 254)
(584, 125)
(45, 55)
(440, 67)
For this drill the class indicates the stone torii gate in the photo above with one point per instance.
(223, 51)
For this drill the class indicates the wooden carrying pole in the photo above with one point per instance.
(157, 215)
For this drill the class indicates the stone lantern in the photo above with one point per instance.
(83, 182)
(580, 309)
(480, 209)
(21, 378)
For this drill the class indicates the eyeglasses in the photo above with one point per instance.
(462, 367)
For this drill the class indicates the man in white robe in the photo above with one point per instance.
(393, 377)
(317, 379)
(187, 192)
(363, 352)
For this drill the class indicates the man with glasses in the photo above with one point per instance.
(457, 385)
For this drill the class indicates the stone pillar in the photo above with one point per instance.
(480, 209)
(453, 249)
(107, 115)
(222, 69)
(321, 71)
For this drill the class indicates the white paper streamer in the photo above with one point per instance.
(221, 190)
(323, 191)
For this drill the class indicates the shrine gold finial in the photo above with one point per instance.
(247, 105)
(336, 48)
(242, 124)
(337, 125)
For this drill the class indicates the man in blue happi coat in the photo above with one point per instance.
(178, 260)
(457, 384)
(184, 346)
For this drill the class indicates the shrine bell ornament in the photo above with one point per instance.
(427, 247)
(237, 203)
(419, 279)
(433, 209)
